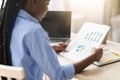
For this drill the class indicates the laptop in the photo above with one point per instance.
(58, 25)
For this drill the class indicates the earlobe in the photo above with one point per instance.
(34, 1)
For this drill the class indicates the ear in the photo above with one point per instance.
(34, 2)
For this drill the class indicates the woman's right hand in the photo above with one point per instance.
(95, 56)
(97, 53)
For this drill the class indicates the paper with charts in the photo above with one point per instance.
(90, 35)
(109, 56)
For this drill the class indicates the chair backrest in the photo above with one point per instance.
(11, 72)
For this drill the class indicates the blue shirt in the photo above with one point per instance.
(30, 49)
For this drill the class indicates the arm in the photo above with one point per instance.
(81, 65)
(44, 56)
(96, 55)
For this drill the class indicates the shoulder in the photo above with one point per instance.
(27, 25)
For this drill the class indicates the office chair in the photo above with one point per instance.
(11, 72)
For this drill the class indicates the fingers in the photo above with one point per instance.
(97, 50)
(62, 44)
(97, 53)
(58, 48)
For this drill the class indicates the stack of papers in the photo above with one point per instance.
(89, 36)
(109, 56)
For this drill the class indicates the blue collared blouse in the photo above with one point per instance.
(30, 49)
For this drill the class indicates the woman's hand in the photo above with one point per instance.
(60, 47)
(97, 54)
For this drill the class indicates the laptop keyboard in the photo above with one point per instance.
(58, 40)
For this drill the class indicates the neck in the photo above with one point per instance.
(30, 9)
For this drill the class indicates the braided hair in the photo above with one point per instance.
(7, 21)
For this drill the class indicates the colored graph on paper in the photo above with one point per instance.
(80, 48)
(109, 55)
(93, 36)
(90, 35)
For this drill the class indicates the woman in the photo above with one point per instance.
(29, 45)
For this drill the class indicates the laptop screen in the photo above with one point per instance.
(57, 24)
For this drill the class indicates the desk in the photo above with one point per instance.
(107, 72)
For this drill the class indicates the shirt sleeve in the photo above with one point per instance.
(43, 54)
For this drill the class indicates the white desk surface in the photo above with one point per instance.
(107, 72)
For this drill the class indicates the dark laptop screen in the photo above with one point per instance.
(57, 24)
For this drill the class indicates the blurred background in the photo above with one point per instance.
(99, 11)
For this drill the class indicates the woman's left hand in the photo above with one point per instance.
(60, 47)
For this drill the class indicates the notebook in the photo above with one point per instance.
(58, 25)
(110, 56)
(89, 36)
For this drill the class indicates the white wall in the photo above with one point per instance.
(56, 5)
(85, 10)
(93, 10)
